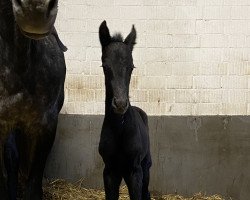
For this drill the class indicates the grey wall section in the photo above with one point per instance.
(190, 154)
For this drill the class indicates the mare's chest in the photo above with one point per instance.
(28, 88)
(121, 140)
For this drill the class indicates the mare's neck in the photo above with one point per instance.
(15, 45)
(6, 20)
(22, 51)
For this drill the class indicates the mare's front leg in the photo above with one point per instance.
(11, 161)
(41, 140)
(3, 180)
(112, 180)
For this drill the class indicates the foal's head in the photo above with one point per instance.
(35, 18)
(117, 62)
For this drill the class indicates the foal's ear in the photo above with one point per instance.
(104, 34)
(130, 39)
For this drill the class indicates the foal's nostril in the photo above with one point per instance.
(52, 4)
(119, 103)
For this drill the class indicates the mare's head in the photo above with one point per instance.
(117, 63)
(35, 18)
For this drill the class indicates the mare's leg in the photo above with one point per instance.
(3, 181)
(41, 140)
(11, 160)
(112, 181)
(133, 180)
(146, 164)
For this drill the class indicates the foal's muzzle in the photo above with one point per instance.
(35, 18)
(120, 105)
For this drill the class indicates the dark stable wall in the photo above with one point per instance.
(209, 154)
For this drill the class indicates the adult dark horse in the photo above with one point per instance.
(32, 74)
(124, 143)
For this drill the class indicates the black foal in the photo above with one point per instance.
(124, 143)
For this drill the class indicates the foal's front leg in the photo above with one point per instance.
(134, 182)
(112, 181)
(146, 164)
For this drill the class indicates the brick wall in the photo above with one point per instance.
(192, 56)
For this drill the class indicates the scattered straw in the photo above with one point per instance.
(62, 190)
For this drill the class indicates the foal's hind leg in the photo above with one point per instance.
(11, 160)
(112, 181)
(146, 164)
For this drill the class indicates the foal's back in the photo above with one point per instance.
(142, 114)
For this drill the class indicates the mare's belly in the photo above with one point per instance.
(18, 109)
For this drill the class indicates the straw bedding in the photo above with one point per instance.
(62, 190)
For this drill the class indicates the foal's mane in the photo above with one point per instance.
(117, 37)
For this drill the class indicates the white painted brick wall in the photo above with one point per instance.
(192, 56)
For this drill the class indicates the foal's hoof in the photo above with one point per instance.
(146, 197)
(4, 194)
(33, 196)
